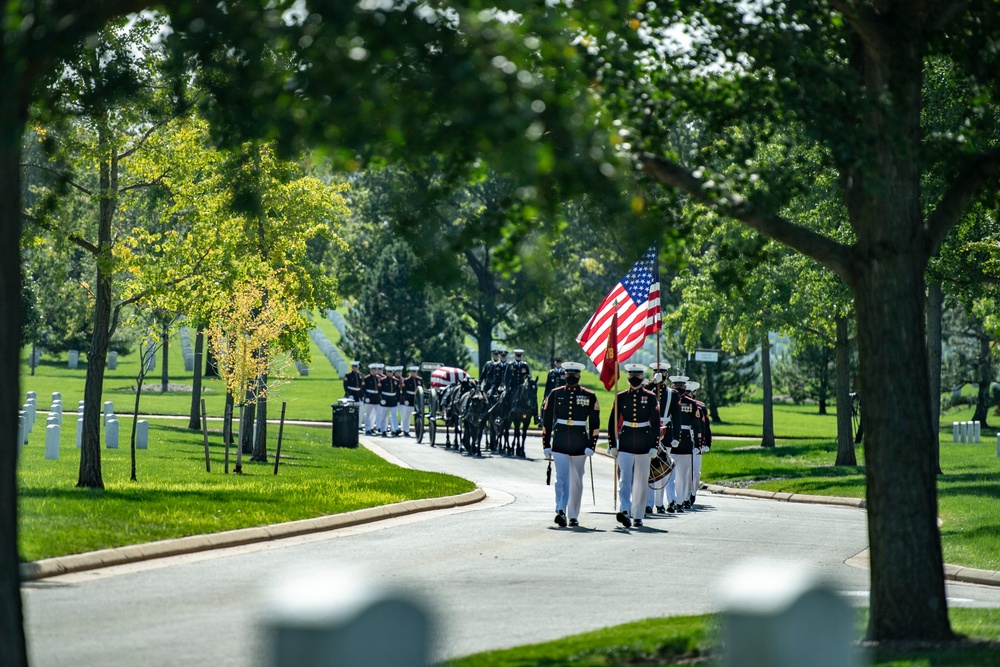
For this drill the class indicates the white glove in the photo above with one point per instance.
(674, 443)
(588, 452)
(613, 451)
(697, 450)
(652, 452)
(658, 378)
(547, 453)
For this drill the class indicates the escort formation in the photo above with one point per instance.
(657, 429)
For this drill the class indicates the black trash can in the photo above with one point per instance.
(345, 424)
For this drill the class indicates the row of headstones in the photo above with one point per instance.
(186, 351)
(332, 353)
(27, 417)
(965, 432)
(340, 323)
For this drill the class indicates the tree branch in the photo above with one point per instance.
(834, 256)
(59, 175)
(144, 137)
(72, 238)
(977, 172)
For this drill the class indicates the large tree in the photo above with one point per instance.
(850, 76)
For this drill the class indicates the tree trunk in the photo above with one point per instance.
(484, 341)
(985, 377)
(13, 650)
(194, 423)
(900, 466)
(767, 440)
(245, 443)
(228, 426)
(165, 371)
(846, 456)
(824, 378)
(211, 363)
(135, 411)
(260, 441)
(935, 303)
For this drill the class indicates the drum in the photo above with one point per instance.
(660, 468)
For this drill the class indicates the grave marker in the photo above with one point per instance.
(52, 442)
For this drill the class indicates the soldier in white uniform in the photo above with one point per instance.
(703, 439)
(679, 383)
(657, 491)
(369, 384)
(409, 402)
(631, 440)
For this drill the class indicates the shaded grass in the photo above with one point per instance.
(175, 497)
(692, 640)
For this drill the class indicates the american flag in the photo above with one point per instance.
(637, 296)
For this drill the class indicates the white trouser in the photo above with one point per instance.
(361, 413)
(633, 478)
(682, 471)
(654, 497)
(371, 411)
(394, 418)
(671, 494)
(569, 483)
(697, 476)
(406, 412)
(381, 416)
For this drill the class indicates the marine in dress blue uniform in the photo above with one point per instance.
(685, 424)
(703, 439)
(516, 371)
(488, 376)
(631, 441)
(660, 387)
(571, 422)
(353, 391)
(369, 386)
(409, 396)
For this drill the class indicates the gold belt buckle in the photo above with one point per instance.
(569, 422)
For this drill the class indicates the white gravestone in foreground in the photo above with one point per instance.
(79, 432)
(112, 361)
(779, 614)
(74, 358)
(340, 619)
(142, 434)
(111, 433)
(52, 442)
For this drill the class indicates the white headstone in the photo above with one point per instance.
(109, 409)
(112, 361)
(32, 394)
(22, 431)
(151, 363)
(954, 431)
(79, 432)
(339, 618)
(780, 614)
(74, 358)
(26, 411)
(188, 363)
(998, 445)
(56, 396)
(963, 431)
(56, 407)
(33, 412)
(142, 434)
(52, 442)
(111, 433)
(976, 431)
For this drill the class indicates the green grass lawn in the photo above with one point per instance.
(691, 640)
(174, 496)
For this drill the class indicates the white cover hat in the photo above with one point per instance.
(692, 385)
(572, 366)
(635, 368)
(678, 379)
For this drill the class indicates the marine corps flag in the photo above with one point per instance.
(634, 307)
(609, 369)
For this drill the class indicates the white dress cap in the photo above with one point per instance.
(572, 366)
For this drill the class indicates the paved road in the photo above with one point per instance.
(498, 574)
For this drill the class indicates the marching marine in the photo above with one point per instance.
(685, 424)
(633, 433)
(571, 422)
(703, 439)
(663, 393)
(410, 385)
(353, 390)
(388, 391)
(369, 384)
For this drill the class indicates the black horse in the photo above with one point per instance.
(474, 410)
(519, 407)
(451, 410)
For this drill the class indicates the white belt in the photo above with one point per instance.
(636, 424)
(388, 393)
(372, 391)
(571, 422)
(686, 428)
(411, 392)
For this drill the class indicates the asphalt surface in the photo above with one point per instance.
(496, 573)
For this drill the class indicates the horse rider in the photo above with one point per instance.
(488, 376)
(501, 370)
(369, 384)
(631, 441)
(685, 423)
(703, 438)
(517, 371)
(662, 390)
(353, 390)
(571, 422)
(555, 378)
(410, 385)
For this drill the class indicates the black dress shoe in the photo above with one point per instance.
(660, 509)
(649, 510)
(671, 508)
(623, 519)
(638, 523)
(686, 505)
(560, 518)
(573, 523)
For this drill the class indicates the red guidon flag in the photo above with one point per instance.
(633, 307)
(609, 367)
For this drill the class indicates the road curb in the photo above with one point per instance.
(965, 575)
(51, 567)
